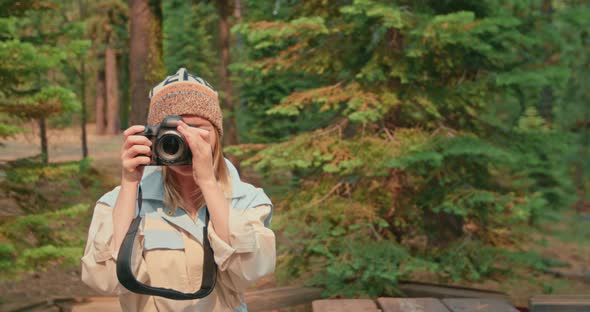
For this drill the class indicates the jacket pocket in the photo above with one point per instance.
(164, 254)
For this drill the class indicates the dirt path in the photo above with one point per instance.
(65, 145)
(43, 285)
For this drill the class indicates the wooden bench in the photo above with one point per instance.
(438, 299)
(561, 303)
(345, 305)
(413, 305)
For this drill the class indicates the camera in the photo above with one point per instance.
(169, 148)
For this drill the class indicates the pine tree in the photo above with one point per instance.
(431, 148)
(31, 63)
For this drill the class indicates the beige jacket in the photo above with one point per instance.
(172, 250)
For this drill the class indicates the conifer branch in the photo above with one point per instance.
(334, 189)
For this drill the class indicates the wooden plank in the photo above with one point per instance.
(478, 305)
(565, 303)
(344, 305)
(425, 290)
(276, 298)
(411, 305)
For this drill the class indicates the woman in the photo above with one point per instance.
(170, 236)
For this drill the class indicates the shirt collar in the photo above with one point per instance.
(152, 186)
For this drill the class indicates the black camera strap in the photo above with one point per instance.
(128, 280)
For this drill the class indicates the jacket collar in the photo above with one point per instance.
(152, 186)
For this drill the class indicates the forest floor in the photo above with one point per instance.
(566, 241)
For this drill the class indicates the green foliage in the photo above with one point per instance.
(54, 226)
(468, 260)
(21, 61)
(31, 173)
(32, 185)
(258, 93)
(45, 103)
(439, 135)
(48, 255)
(44, 228)
(401, 138)
(371, 268)
(7, 256)
(188, 40)
(475, 261)
(107, 24)
(7, 130)
(264, 35)
(35, 40)
(40, 240)
(260, 90)
(531, 120)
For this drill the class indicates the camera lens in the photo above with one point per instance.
(170, 145)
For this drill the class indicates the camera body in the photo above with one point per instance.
(169, 148)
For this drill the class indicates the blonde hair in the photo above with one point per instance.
(172, 197)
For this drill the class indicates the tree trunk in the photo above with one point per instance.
(580, 187)
(82, 9)
(43, 135)
(146, 66)
(545, 106)
(238, 10)
(83, 117)
(112, 91)
(100, 107)
(124, 95)
(230, 129)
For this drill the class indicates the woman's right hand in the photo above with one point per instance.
(135, 152)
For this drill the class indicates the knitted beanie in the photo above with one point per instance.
(184, 93)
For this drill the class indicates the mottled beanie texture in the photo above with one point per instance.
(184, 93)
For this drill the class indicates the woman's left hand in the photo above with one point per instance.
(198, 142)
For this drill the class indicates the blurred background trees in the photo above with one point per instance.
(39, 39)
(107, 28)
(396, 138)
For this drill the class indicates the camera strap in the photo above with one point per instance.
(128, 280)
